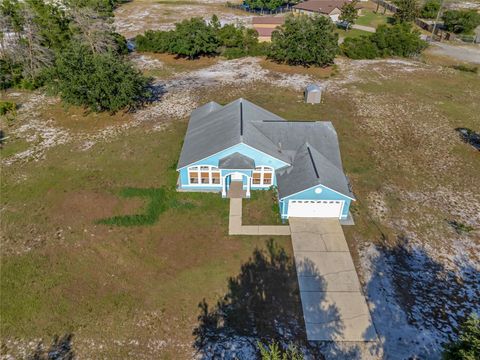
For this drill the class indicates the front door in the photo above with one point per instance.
(236, 177)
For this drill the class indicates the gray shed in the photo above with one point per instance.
(313, 94)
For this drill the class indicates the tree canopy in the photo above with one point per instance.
(407, 10)
(397, 40)
(430, 9)
(101, 82)
(461, 21)
(349, 12)
(265, 4)
(72, 46)
(305, 40)
(467, 346)
(196, 37)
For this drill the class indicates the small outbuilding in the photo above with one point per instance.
(313, 94)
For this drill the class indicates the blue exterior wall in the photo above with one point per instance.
(259, 157)
(310, 194)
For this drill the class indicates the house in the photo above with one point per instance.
(330, 8)
(265, 25)
(242, 146)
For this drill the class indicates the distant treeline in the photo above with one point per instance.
(197, 37)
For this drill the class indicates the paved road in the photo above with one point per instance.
(334, 309)
(468, 53)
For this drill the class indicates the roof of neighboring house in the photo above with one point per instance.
(236, 161)
(321, 6)
(265, 20)
(265, 31)
(310, 150)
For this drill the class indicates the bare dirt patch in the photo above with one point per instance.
(136, 17)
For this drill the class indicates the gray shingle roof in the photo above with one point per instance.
(236, 161)
(309, 149)
(222, 128)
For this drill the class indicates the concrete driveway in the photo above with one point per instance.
(334, 308)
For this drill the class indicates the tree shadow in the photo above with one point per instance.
(263, 304)
(60, 349)
(417, 302)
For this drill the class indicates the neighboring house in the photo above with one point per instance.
(265, 25)
(242, 146)
(330, 8)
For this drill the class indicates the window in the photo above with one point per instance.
(204, 175)
(262, 175)
(216, 177)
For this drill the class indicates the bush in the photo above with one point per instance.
(10, 73)
(461, 21)
(430, 9)
(274, 352)
(155, 41)
(101, 82)
(396, 40)
(265, 4)
(7, 107)
(305, 40)
(360, 48)
(467, 347)
(195, 37)
(466, 68)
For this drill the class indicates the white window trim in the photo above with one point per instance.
(263, 169)
(199, 171)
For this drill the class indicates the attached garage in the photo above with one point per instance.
(315, 208)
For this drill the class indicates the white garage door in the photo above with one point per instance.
(335, 17)
(315, 208)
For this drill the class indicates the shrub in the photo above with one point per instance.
(461, 21)
(396, 40)
(466, 68)
(305, 40)
(360, 48)
(407, 11)
(154, 41)
(265, 4)
(10, 73)
(101, 82)
(274, 352)
(430, 9)
(7, 107)
(467, 347)
(193, 38)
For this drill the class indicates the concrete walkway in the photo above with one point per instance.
(235, 226)
(364, 28)
(334, 309)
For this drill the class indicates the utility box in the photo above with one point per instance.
(313, 94)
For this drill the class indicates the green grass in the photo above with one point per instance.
(352, 33)
(261, 209)
(158, 201)
(143, 279)
(370, 18)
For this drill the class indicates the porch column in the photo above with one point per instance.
(224, 187)
(248, 186)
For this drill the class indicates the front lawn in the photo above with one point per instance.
(261, 209)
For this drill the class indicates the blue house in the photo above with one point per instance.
(242, 146)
